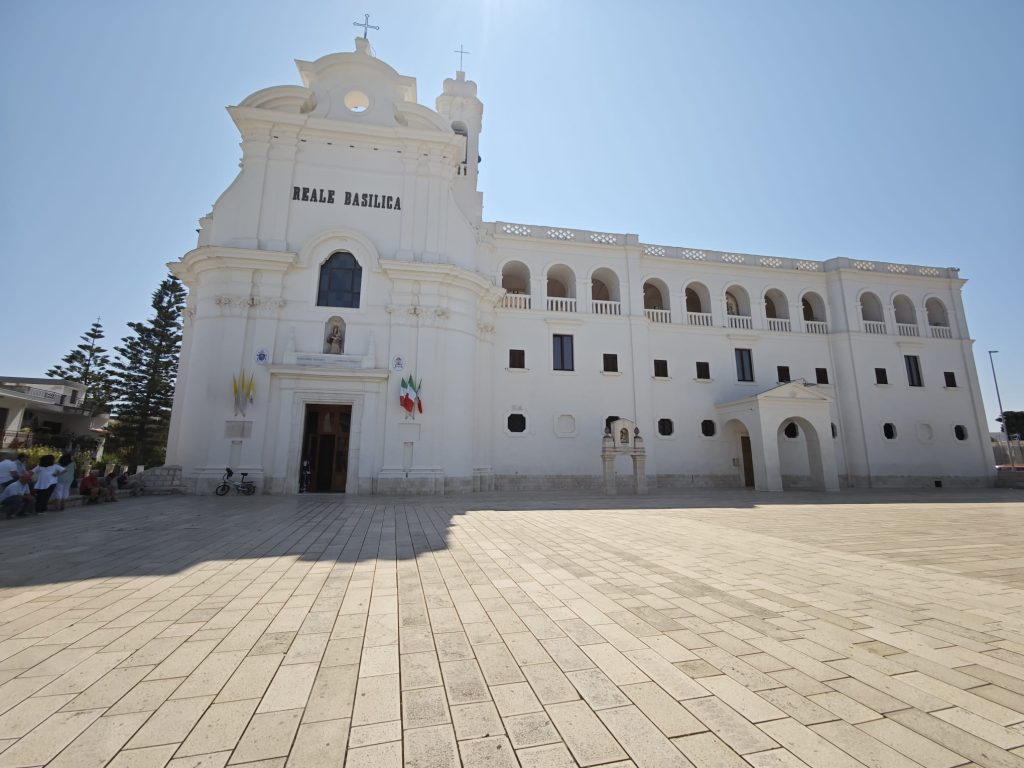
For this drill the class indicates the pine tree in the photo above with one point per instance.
(144, 376)
(89, 365)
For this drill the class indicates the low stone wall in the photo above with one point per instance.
(157, 481)
(168, 479)
(1007, 478)
(896, 482)
(730, 480)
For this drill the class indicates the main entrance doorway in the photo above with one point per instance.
(325, 447)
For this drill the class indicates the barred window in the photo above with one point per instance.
(341, 278)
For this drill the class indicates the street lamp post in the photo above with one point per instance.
(1002, 413)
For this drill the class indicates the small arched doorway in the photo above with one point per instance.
(735, 431)
(800, 463)
(798, 414)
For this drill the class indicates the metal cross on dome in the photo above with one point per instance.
(365, 24)
(461, 54)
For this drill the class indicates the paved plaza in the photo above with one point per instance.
(686, 628)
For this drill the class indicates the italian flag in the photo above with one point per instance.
(409, 395)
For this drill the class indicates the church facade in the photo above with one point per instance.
(353, 325)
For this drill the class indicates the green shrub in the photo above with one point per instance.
(36, 452)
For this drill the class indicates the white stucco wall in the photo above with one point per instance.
(431, 293)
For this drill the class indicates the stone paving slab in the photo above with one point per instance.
(679, 629)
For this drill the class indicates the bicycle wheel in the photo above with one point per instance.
(222, 489)
(248, 489)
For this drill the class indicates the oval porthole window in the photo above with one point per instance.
(516, 422)
(357, 101)
(835, 431)
(665, 427)
(960, 431)
(791, 430)
(707, 428)
(889, 430)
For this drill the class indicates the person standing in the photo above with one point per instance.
(62, 489)
(45, 478)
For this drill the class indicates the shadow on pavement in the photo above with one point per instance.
(155, 536)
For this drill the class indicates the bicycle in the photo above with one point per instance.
(243, 486)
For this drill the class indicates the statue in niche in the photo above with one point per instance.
(334, 339)
(624, 436)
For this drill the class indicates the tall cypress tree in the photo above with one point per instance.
(144, 376)
(89, 365)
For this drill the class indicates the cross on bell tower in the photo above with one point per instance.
(365, 24)
(461, 54)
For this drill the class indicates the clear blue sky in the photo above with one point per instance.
(889, 130)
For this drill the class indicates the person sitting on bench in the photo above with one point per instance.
(16, 498)
(90, 487)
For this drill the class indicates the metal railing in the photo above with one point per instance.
(26, 438)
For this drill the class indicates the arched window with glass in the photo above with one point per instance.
(341, 278)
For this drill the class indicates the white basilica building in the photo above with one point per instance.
(353, 325)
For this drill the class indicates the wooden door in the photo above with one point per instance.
(325, 447)
(748, 461)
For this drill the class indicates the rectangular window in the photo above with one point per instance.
(950, 379)
(611, 363)
(913, 370)
(517, 358)
(881, 376)
(744, 365)
(661, 369)
(562, 344)
(821, 375)
(783, 373)
(704, 371)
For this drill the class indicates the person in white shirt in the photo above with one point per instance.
(45, 478)
(8, 471)
(62, 489)
(16, 498)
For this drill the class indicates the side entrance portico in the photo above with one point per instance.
(774, 424)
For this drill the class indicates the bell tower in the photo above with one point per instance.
(459, 105)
